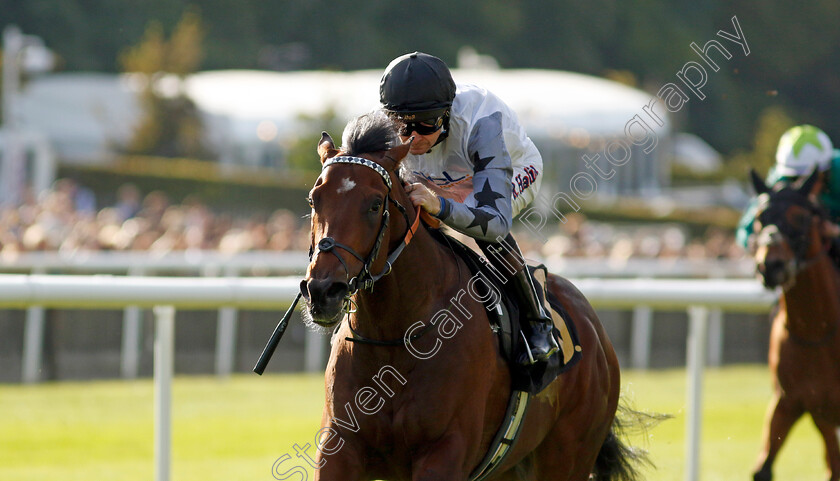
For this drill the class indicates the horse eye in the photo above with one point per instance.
(310, 202)
(377, 204)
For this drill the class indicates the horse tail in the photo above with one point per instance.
(617, 460)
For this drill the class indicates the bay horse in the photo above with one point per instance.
(791, 252)
(395, 415)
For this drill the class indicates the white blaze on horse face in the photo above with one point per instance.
(769, 235)
(346, 185)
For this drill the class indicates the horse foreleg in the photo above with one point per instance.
(346, 465)
(830, 433)
(444, 461)
(781, 415)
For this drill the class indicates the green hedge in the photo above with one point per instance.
(260, 191)
(234, 189)
(630, 210)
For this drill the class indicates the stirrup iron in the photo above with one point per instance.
(528, 348)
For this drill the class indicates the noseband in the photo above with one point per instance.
(365, 279)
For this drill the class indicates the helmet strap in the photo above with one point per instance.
(444, 130)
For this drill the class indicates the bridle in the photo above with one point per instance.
(799, 244)
(365, 279)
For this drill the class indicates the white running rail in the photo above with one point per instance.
(165, 294)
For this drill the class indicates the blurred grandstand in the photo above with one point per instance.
(252, 117)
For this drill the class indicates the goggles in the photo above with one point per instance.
(425, 127)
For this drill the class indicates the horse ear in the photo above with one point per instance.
(758, 184)
(808, 184)
(399, 152)
(326, 147)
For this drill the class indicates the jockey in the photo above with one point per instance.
(476, 169)
(800, 149)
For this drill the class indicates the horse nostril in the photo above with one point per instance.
(774, 266)
(304, 289)
(316, 288)
(324, 289)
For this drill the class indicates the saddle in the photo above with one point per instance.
(526, 381)
(505, 323)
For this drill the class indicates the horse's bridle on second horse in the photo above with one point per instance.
(799, 244)
(365, 278)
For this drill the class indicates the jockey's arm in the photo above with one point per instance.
(830, 196)
(487, 212)
(745, 225)
(831, 229)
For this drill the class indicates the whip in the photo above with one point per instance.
(262, 362)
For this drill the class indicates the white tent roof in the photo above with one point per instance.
(548, 102)
(81, 113)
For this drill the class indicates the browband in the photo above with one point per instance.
(346, 159)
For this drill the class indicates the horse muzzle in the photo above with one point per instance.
(775, 273)
(324, 300)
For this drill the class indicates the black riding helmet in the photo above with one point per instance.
(417, 87)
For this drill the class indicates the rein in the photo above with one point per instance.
(365, 279)
(809, 261)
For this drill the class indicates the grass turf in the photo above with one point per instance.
(235, 429)
(735, 400)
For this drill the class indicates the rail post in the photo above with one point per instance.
(130, 352)
(164, 361)
(695, 362)
(640, 337)
(226, 335)
(33, 341)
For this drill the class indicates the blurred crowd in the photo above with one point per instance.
(580, 237)
(67, 218)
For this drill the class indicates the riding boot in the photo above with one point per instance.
(507, 260)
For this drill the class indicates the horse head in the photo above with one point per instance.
(787, 228)
(357, 206)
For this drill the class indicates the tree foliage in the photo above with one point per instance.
(301, 154)
(171, 124)
(772, 123)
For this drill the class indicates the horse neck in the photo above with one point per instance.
(421, 276)
(812, 304)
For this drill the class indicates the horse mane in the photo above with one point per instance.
(373, 132)
(369, 133)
